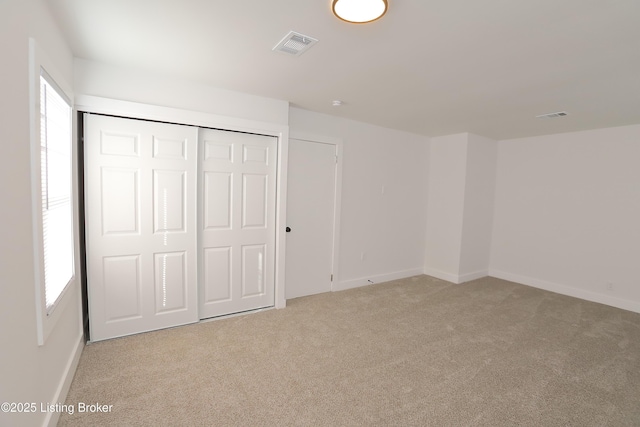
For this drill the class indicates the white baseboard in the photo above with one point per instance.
(568, 290)
(364, 281)
(455, 278)
(60, 396)
(442, 275)
(467, 277)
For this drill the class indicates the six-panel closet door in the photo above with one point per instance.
(180, 224)
(141, 219)
(237, 222)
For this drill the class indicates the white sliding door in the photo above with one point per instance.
(237, 225)
(140, 197)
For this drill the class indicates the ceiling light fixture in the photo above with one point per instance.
(359, 11)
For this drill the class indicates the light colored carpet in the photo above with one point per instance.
(412, 352)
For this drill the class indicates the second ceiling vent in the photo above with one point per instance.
(295, 44)
(552, 115)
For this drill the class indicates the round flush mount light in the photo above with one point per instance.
(359, 11)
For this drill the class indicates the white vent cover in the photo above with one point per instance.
(295, 44)
(552, 115)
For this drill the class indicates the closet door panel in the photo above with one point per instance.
(121, 278)
(217, 275)
(120, 188)
(170, 282)
(169, 201)
(218, 190)
(141, 225)
(237, 244)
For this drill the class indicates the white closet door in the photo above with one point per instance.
(140, 198)
(238, 188)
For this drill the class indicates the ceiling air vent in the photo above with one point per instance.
(552, 115)
(295, 44)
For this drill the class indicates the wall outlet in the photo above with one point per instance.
(363, 255)
(609, 286)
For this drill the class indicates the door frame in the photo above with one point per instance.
(337, 205)
(134, 110)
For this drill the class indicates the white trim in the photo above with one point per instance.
(467, 277)
(455, 278)
(337, 216)
(51, 419)
(38, 60)
(442, 275)
(380, 278)
(337, 205)
(134, 110)
(281, 219)
(567, 290)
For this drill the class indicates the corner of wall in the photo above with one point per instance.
(458, 239)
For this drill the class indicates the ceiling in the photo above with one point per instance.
(432, 67)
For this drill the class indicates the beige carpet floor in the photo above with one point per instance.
(412, 352)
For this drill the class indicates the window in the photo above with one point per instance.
(55, 190)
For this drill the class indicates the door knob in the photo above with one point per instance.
(288, 229)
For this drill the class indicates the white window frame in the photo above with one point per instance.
(47, 319)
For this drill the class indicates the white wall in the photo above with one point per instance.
(389, 228)
(28, 373)
(460, 206)
(567, 214)
(445, 211)
(131, 85)
(480, 183)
